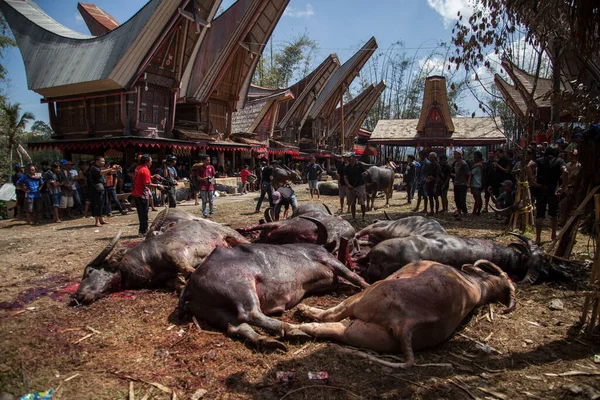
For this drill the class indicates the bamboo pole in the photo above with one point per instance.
(590, 299)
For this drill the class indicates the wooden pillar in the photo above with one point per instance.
(129, 157)
(343, 133)
(221, 158)
(233, 160)
(252, 163)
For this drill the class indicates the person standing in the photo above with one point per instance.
(420, 180)
(342, 188)
(266, 176)
(313, 172)
(461, 180)
(66, 189)
(20, 193)
(501, 168)
(445, 181)
(409, 177)
(206, 175)
(169, 174)
(30, 184)
(46, 201)
(550, 170)
(111, 192)
(476, 182)
(98, 188)
(353, 175)
(51, 180)
(434, 173)
(489, 179)
(142, 182)
(244, 175)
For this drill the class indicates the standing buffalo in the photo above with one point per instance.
(403, 227)
(415, 308)
(379, 179)
(284, 174)
(524, 260)
(238, 287)
(155, 262)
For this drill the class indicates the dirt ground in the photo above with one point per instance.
(133, 338)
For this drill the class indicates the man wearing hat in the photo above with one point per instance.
(353, 176)
(66, 181)
(20, 193)
(265, 187)
(506, 198)
(283, 197)
(550, 170)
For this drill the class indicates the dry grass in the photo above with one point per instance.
(135, 336)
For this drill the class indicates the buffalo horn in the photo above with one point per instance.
(525, 240)
(387, 216)
(268, 216)
(286, 167)
(327, 208)
(489, 267)
(343, 250)
(533, 260)
(500, 211)
(321, 229)
(102, 256)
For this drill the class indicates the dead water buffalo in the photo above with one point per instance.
(307, 208)
(306, 228)
(523, 260)
(415, 308)
(168, 218)
(238, 287)
(329, 188)
(155, 262)
(403, 227)
(378, 179)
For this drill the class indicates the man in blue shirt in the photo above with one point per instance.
(31, 184)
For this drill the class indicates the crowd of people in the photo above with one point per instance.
(550, 172)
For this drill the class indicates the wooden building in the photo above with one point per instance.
(435, 128)
(135, 87)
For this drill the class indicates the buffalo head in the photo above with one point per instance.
(497, 285)
(537, 265)
(100, 277)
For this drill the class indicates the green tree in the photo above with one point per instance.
(5, 42)
(281, 67)
(12, 130)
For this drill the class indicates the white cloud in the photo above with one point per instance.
(449, 9)
(79, 19)
(299, 13)
(433, 66)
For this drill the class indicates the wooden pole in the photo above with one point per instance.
(343, 125)
(592, 299)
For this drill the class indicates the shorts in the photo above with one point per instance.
(443, 191)
(343, 189)
(313, 184)
(430, 189)
(543, 200)
(20, 198)
(421, 191)
(55, 198)
(66, 201)
(476, 191)
(32, 204)
(359, 193)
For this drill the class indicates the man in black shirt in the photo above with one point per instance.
(266, 188)
(550, 170)
(353, 176)
(343, 189)
(501, 169)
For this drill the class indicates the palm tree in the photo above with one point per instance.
(12, 127)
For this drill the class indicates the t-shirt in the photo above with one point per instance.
(171, 172)
(206, 171)
(244, 174)
(446, 172)
(433, 172)
(477, 176)
(354, 173)
(286, 195)
(141, 178)
(74, 175)
(422, 174)
(313, 171)
(96, 176)
(549, 172)
(66, 179)
(33, 184)
(340, 172)
(15, 178)
(501, 176)
(50, 178)
(266, 174)
(461, 173)
(411, 172)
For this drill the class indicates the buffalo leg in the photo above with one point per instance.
(181, 264)
(334, 314)
(245, 331)
(340, 270)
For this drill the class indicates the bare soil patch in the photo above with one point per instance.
(135, 336)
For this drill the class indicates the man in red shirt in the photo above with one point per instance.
(141, 181)
(244, 174)
(206, 175)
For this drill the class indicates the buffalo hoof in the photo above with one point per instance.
(307, 312)
(270, 343)
(296, 334)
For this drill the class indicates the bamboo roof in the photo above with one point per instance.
(230, 52)
(249, 117)
(468, 131)
(341, 79)
(435, 97)
(511, 96)
(61, 62)
(524, 82)
(356, 110)
(97, 20)
(307, 92)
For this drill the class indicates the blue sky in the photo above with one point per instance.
(338, 26)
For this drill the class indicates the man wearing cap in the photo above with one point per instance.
(284, 197)
(575, 140)
(550, 170)
(205, 174)
(506, 198)
(20, 193)
(31, 184)
(353, 176)
(265, 187)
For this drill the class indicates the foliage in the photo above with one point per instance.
(5, 42)
(292, 62)
(12, 130)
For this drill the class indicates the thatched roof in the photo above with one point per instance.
(467, 131)
(435, 97)
(249, 117)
